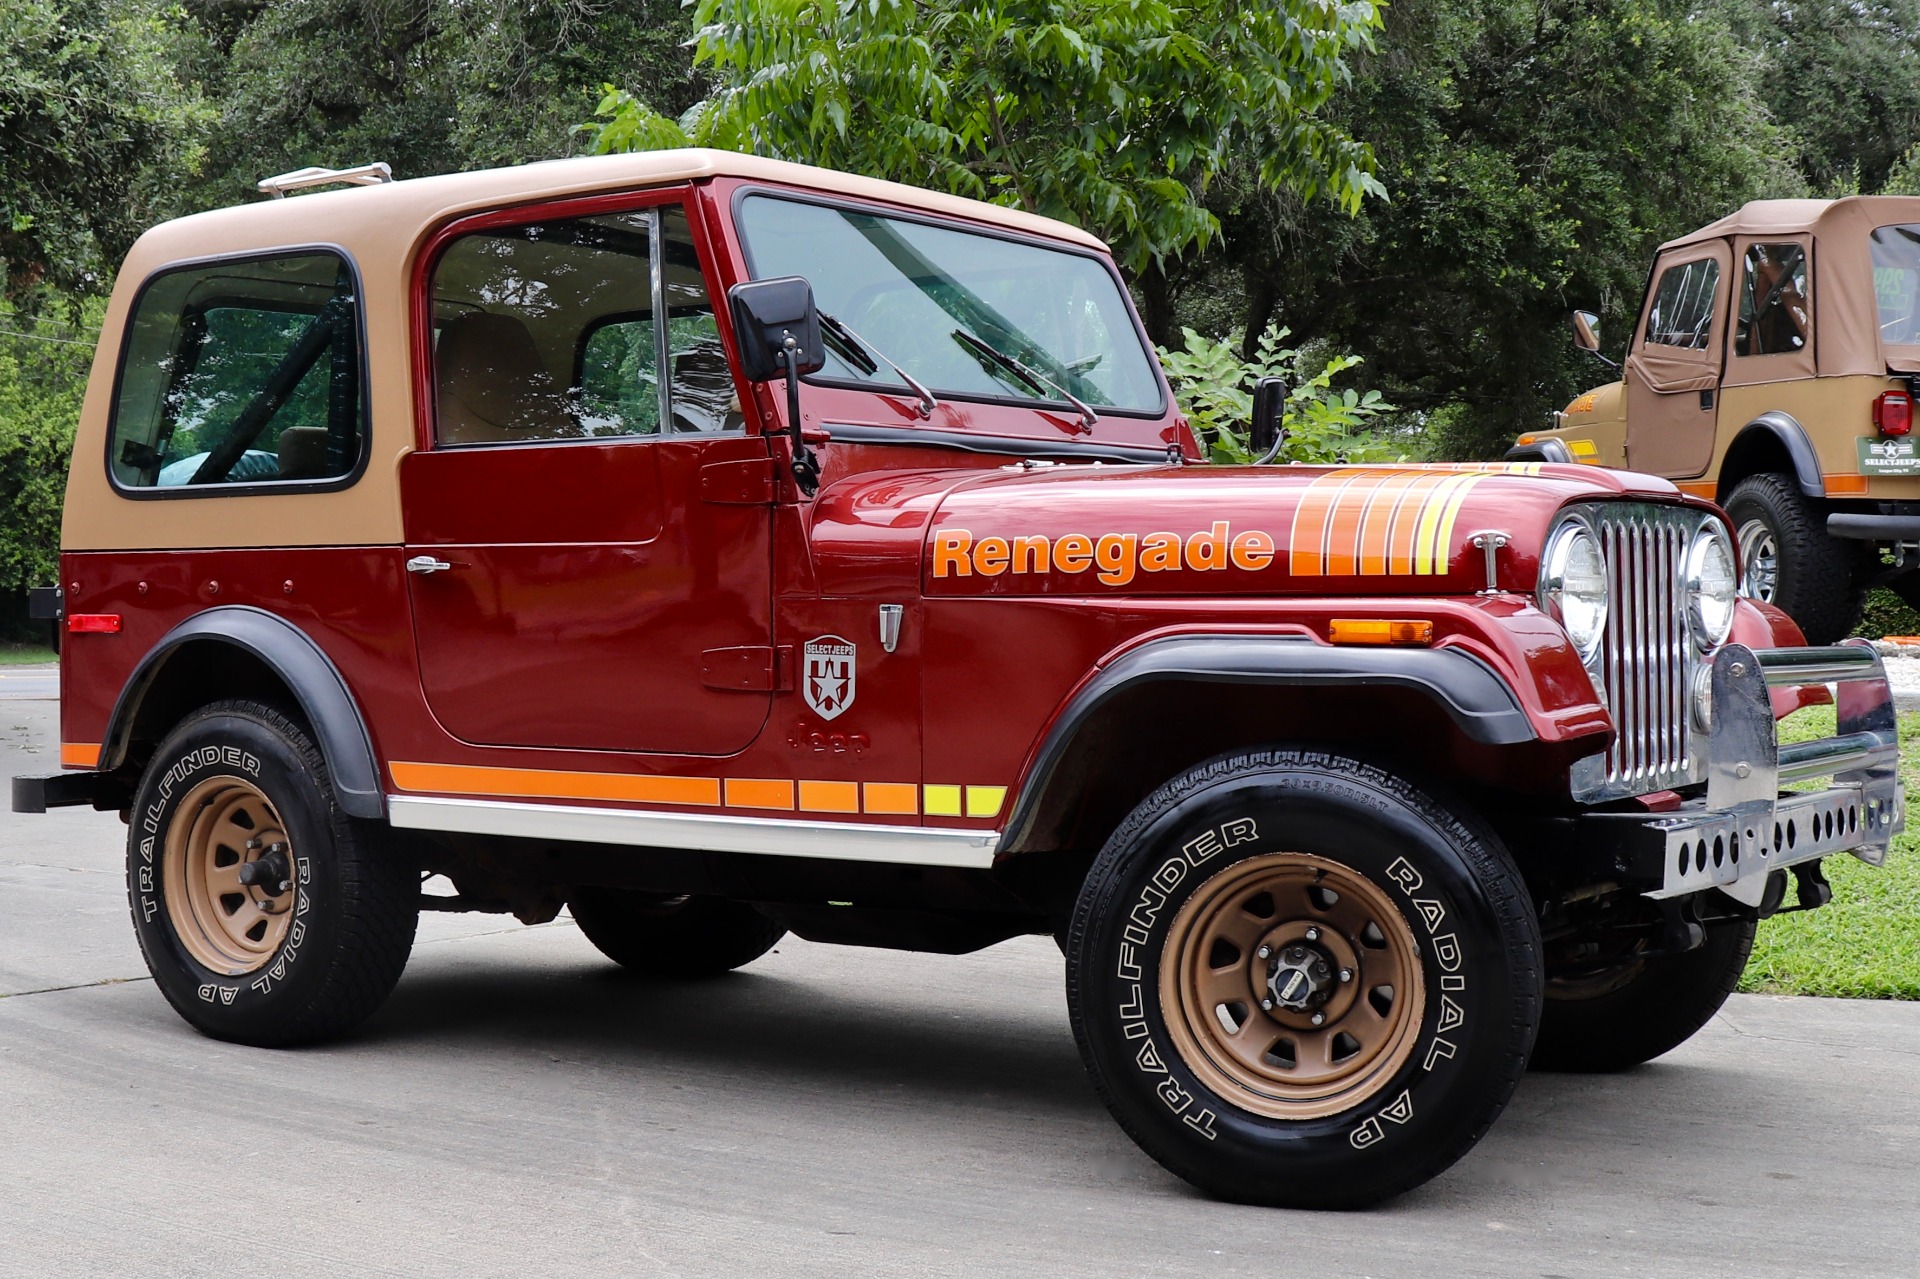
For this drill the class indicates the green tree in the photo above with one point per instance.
(92, 120)
(44, 356)
(1535, 153)
(1112, 116)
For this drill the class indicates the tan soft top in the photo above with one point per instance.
(1846, 315)
(382, 227)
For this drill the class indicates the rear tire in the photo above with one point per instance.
(1405, 929)
(236, 785)
(663, 935)
(1788, 560)
(1610, 1022)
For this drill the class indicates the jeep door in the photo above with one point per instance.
(1673, 367)
(573, 586)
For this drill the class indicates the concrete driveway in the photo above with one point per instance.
(519, 1107)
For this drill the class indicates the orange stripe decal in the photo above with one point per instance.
(756, 792)
(540, 783)
(830, 797)
(901, 798)
(80, 754)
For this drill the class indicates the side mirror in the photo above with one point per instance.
(1264, 432)
(779, 334)
(1586, 330)
(774, 320)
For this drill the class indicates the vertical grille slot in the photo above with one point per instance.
(1647, 657)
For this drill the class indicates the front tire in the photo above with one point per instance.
(1391, 942)
(267, 916)
(662, 935)
(1788, 560)
(1612, 1020)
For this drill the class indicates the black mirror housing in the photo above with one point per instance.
(1269, 406)
(766, 315)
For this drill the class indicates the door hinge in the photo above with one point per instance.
(754, 668)
(744, 482)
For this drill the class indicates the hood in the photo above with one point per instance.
(1205, 531)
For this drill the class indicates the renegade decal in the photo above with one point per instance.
(827, 682)
(1375, 521)
(1114, 558)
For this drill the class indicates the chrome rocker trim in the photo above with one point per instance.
(835, 841)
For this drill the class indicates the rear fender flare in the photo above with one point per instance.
(1791, 436)
(299, 663)
(1472, 695)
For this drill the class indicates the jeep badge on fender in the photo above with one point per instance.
(714, 547)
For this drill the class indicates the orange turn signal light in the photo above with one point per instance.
(1368, 630)
(93, 623)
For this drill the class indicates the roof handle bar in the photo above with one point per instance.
(365, 175)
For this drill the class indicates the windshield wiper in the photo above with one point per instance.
(862, 354)
(1035, 380)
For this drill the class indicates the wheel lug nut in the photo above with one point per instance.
(1319, 1019)
(1346, 974)
(1313, 934)
(1265, 951)
(1266, 1005)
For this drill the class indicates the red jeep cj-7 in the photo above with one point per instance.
(715, 547)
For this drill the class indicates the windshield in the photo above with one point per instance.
(1896, 283)
(908, 289)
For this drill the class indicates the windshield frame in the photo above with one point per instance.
(748, 190)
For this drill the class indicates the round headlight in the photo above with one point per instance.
(1573, 586)
(1711, 586)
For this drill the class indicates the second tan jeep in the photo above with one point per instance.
(1773, 369)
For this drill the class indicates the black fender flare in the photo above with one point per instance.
(1551, 449)
(1792, 437)
(1476, 699)
(301, 665)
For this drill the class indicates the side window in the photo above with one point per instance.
(1682, 313)
(243, 372)
(1774, 315)
(548, 331)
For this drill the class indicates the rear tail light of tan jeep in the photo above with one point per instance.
(1893, 413)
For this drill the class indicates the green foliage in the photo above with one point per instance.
(1866, 944)
(1112, 116)
(91, 119)
(1887, 614)
(44, 356)
(1213, 385)
(622, 123)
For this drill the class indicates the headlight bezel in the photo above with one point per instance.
(1555, 558)
(1709, 535)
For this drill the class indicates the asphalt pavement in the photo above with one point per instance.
(519, 1107)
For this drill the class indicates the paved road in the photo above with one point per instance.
(29, 683)
(520, 1108)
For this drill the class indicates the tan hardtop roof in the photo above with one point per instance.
(1789, 217)
(397, 213)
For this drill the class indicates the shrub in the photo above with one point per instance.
(1214, 387)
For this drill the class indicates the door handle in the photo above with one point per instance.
(426, 564)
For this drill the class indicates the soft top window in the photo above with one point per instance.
(1896, 282)
(1682, 312)
(241, 372)
(917, 292)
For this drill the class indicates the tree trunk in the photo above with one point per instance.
(1156, 304)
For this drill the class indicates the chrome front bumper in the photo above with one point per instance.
(1745, 827)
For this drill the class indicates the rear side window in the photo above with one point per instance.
(1896, 283)
(1774, 315)
(242, 373)
(1682, 313)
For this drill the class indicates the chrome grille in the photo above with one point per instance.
(1647, 656)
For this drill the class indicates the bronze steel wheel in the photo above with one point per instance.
(229, 865)
(1293, 986)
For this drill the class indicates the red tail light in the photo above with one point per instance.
(93, 623)
(1893, 413)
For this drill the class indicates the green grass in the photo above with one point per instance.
(1866, 943)
(27, 655)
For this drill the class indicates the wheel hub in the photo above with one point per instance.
(1300, 977)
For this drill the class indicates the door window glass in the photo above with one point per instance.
(547, 331)
(1896, 282)
(242, 372)
(1682, 313)
(1774, 314)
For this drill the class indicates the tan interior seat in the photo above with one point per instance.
(492, 385)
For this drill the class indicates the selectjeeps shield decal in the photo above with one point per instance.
(828, 677)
